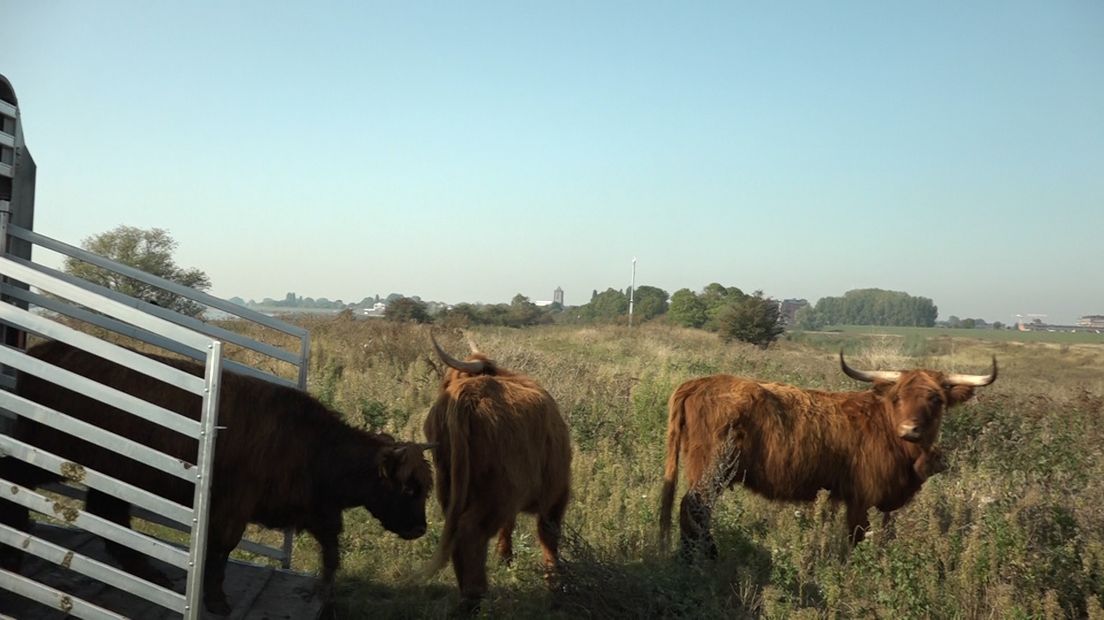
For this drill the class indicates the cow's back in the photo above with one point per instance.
(519, 446)
(268, 431)
(785, 441)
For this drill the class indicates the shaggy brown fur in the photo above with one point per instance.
(788, 443)
(502, 448)
(282, 460)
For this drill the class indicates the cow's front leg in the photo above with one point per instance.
(326, 532)
(695, 516)
(857, 522)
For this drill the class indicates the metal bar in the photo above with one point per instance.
(244, 545)
(98, 391)
(93, 568)
(140, 310)
(201, 503)
(95, 524)
(55, 282)
(55, 599)
(8, 109)
(145, 515)
(304, 365)
(119, 355)
(62, 307)
(94, 434)
(7, 139)
(92, 478)
(173, 287)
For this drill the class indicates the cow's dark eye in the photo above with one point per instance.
(934, 400)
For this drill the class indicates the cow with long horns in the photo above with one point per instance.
(870, 448)
(501, 447)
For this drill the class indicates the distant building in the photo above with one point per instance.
(557, 296)
(1094, 321)
(787, 309)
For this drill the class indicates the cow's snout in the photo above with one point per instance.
(414, 532)
(909, 431)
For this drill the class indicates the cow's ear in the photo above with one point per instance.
(389, 457)
(958, 394)
(883, 388)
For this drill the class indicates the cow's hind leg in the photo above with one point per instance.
(469, 558)
(118, 511)
(549, 531)
(505, 546)
(224, 534)
(16, 515)
(695, 516)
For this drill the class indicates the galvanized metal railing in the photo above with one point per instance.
(297, 361)
(199, 473)
(28, 283)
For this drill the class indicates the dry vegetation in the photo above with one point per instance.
(1014, 529)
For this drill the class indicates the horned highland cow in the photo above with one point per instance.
(870, 448)
(501, 447)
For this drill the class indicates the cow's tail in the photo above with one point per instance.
(458, 423)
(676, 422)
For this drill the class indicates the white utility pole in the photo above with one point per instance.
(632, 290)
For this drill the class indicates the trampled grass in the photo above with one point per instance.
(1014, 529)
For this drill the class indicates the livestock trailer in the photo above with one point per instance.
(65, 571)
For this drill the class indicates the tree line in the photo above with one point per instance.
(727, 311)
(869, 306)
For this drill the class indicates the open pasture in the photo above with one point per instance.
(1013, 529)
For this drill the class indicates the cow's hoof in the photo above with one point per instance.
(219, 607)
(468, 607)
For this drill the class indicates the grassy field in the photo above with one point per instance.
(1014, 529)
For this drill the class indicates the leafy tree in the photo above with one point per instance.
(650, 302)
(522, 312)
(606, 306)
(755, 319)
(150, 250)
(687, 309)
(998, 325)
(717, 298)
(875, 307)
(807, 318)
(968, 323)
(406, 310)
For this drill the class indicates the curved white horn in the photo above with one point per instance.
(974, 380)
(868, 375)
(475, 368)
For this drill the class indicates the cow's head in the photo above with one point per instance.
(402, 482)
(476, 364)
(916, 399)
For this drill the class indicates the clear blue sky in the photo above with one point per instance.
(470, 151)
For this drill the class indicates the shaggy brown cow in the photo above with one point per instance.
(869, 448)
(501, 448)
(283, 460)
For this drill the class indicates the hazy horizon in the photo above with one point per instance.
(464, 153)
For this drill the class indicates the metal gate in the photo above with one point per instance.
(29, 283)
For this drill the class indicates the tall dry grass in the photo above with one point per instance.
(1014, 529)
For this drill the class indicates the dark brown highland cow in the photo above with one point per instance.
(501, 448)
(870, 448)
(282, 460)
